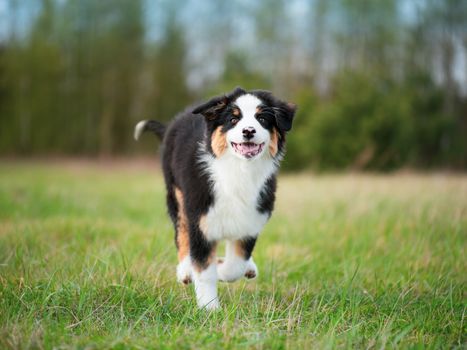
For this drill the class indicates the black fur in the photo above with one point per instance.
(248, 244)
(267, 196)
(283, 111)
(182, 170)
(200, 248)
(156, 127)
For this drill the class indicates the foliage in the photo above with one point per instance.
(373, 122)
(379, 84)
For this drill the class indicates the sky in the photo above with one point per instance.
(188, 15)
(26, 10)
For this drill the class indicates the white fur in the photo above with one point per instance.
(248, 105)
(139, 129)
(234, 267)
(236, 185)
(206, 287)
(184, 269)
(251, 266)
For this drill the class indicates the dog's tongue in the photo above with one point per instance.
(248, 149)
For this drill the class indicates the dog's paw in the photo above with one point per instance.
(229, 272)
(210, 306)
(251, 269)
(184, 271)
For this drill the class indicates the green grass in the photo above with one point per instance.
(347, 261)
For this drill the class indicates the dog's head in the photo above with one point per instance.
(249, 125)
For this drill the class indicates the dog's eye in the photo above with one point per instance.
(234, 120)
(261, 119)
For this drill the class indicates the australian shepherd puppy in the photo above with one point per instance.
(220, 161)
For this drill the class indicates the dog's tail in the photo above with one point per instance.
(150, 125)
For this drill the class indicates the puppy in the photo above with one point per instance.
(220, 161)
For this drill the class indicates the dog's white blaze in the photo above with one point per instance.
(206, 287)
(236, 184)
(248, 104)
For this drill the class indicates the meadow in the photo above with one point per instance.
(87, 260)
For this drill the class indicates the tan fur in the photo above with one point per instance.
(273, 144)
(183, 238)
(236, 112)
(239, 249)
(218, 142)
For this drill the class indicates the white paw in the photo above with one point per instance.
(209, 305)
(251, 269)
(230, 271)
(184, 271)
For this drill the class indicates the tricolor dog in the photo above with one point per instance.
(220, 161)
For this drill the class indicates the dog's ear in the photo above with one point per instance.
(283, 111)
(214, 107)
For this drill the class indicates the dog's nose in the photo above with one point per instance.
(249, 133)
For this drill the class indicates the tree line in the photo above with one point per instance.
(379, 84)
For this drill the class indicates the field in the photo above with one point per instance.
(87, 260)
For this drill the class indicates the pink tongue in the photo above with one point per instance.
(248, 149)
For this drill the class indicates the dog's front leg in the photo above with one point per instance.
(238, 261)
(204, 271)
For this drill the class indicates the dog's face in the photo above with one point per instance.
(249, 125)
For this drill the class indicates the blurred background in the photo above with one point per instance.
(380, 84)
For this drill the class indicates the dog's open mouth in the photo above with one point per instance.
(248, 149)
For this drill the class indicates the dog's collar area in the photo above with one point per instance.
(248, 149)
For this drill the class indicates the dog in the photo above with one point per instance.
(220, 161)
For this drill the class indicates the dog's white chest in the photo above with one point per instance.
(236, 186)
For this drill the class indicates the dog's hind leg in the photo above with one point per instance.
(182, 239)
(238, 261)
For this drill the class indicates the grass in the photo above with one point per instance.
(347, 261)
